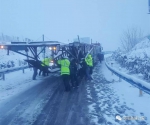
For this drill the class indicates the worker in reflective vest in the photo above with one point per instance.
(89, 62)
(65, 72)
(45, 65)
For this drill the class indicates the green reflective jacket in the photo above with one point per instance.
(46, 61)
(65, 63)
(89, 60)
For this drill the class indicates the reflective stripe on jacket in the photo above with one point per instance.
(89, 60)
(65, 63)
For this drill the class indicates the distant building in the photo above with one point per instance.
(83, 40)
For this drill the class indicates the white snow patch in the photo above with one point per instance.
(130, 95)
(17, 82)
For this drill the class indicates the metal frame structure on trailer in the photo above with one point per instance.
(78, 50)
(29, 46)
(71, 49)
(75, 50)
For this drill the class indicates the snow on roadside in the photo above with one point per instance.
(92, 110)
(11, 57)
(108, 97)
(18, 59)
(129, 95)
(135, 79)
(16, 82)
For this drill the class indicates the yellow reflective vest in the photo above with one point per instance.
(65, 63)
(89, 60)
(46, 61)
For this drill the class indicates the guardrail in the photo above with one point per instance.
(8, 70)
(142, 85)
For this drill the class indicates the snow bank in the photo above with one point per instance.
(139, 83)
(129, 97)
(11, 60)
(13, 69)
(141, 50)
(145, 43)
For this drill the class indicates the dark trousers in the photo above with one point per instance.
(74, 80)
(81, 73)
(44, 71)
(91, 70)
(65, 79)
(40, 72)
(88, 73)
(100, 60)
(34, 73)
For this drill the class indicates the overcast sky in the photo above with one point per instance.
(102, 20)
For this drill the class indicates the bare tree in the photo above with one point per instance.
(130, 38)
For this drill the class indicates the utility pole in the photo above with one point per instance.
(78, 38)
(43, 37)
(2, 37)
(43, 47)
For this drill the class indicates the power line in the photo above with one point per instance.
(38, 38)
(47, 37)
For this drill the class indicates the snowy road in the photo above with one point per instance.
(93, 103)
(44, 104)
(24, 107)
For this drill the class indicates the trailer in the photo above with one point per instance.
(76, 50)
